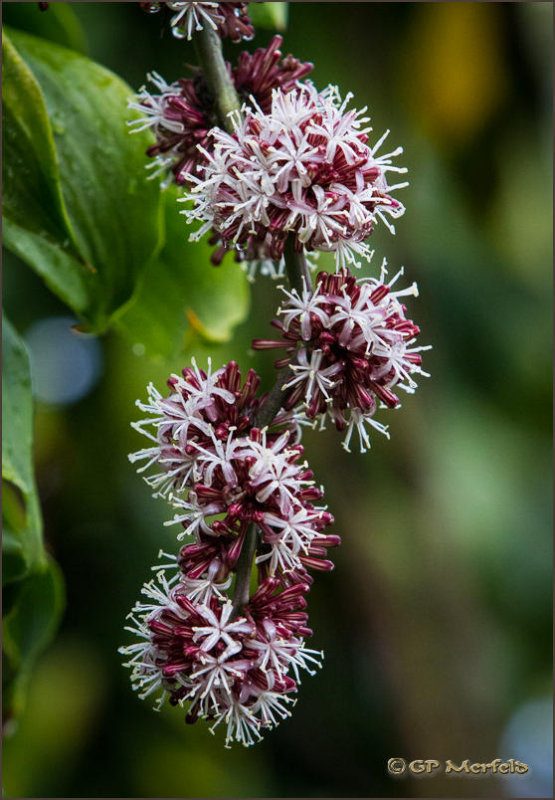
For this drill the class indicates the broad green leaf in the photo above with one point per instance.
(35, 223)
(32, 196)
(32, 584)
(22, 548)
(17, 410)
(63, 272)
(58, 23)
(15, 563)
(182, 293)
(269, 15)
(108, 227)
(27, 629)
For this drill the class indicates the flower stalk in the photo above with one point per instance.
(208, 46)
(209, 51)
(299, 277)
(296, 266)
(295, 174)
(241, 590)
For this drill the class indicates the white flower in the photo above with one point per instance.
(221, 628)
(219, 458)
(304, 168)
(301, 307)
(201, 590)
(146, 674)
(214, 680)
(242, 725)
(195, 516)
(274, 472)
(311, 374)
(191, 404)
(153, 107)
(270, 705)
(279, 654)
(192, 16)
(359, 420)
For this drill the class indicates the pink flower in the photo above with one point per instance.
(349, 344)
(182, 114)
(201, 407)
(305, 167)
(222, 474)
(228, 19)
(253, 480)
(229, 670)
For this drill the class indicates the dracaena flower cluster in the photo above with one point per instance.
(181, 114)
(241, 671)
(299, 168)
(228, 19)
(349, 344)
(304, 169)
(223, 475)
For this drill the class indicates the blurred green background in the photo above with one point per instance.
(437, 619)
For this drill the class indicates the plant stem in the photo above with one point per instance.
(210, 55)
(299, 278)
(241, 590)
(208, 47)
(274, 399)
(296, 266)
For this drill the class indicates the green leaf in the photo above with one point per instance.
(183, 294)
(15, 561)
(80, 211)
(32, 584)
(22, 548)
(63, 272)
(27, 629)
(269, 15)
(32, 196)
(17, 410)
(58, 23)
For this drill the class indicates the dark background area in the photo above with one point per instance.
(436, 622)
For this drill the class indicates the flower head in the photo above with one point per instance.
(231, 670)
(349, 344)
(182, 114)
(255, 480)
(222, 474)
(201, 409)
(306, 168)
(228, 19)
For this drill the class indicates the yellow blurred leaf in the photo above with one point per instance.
(454, 72)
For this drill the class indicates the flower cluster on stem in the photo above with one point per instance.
(304, 168)
(228, 480)
(273, 170)
(349, 344)
(182, 114)
(228, 19)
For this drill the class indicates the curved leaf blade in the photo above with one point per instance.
(63, 272)
(17, 410)
(27, 629)
(32, 196)
(23, 548)
(113, 212)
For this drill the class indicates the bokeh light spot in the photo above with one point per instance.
(65, 364)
